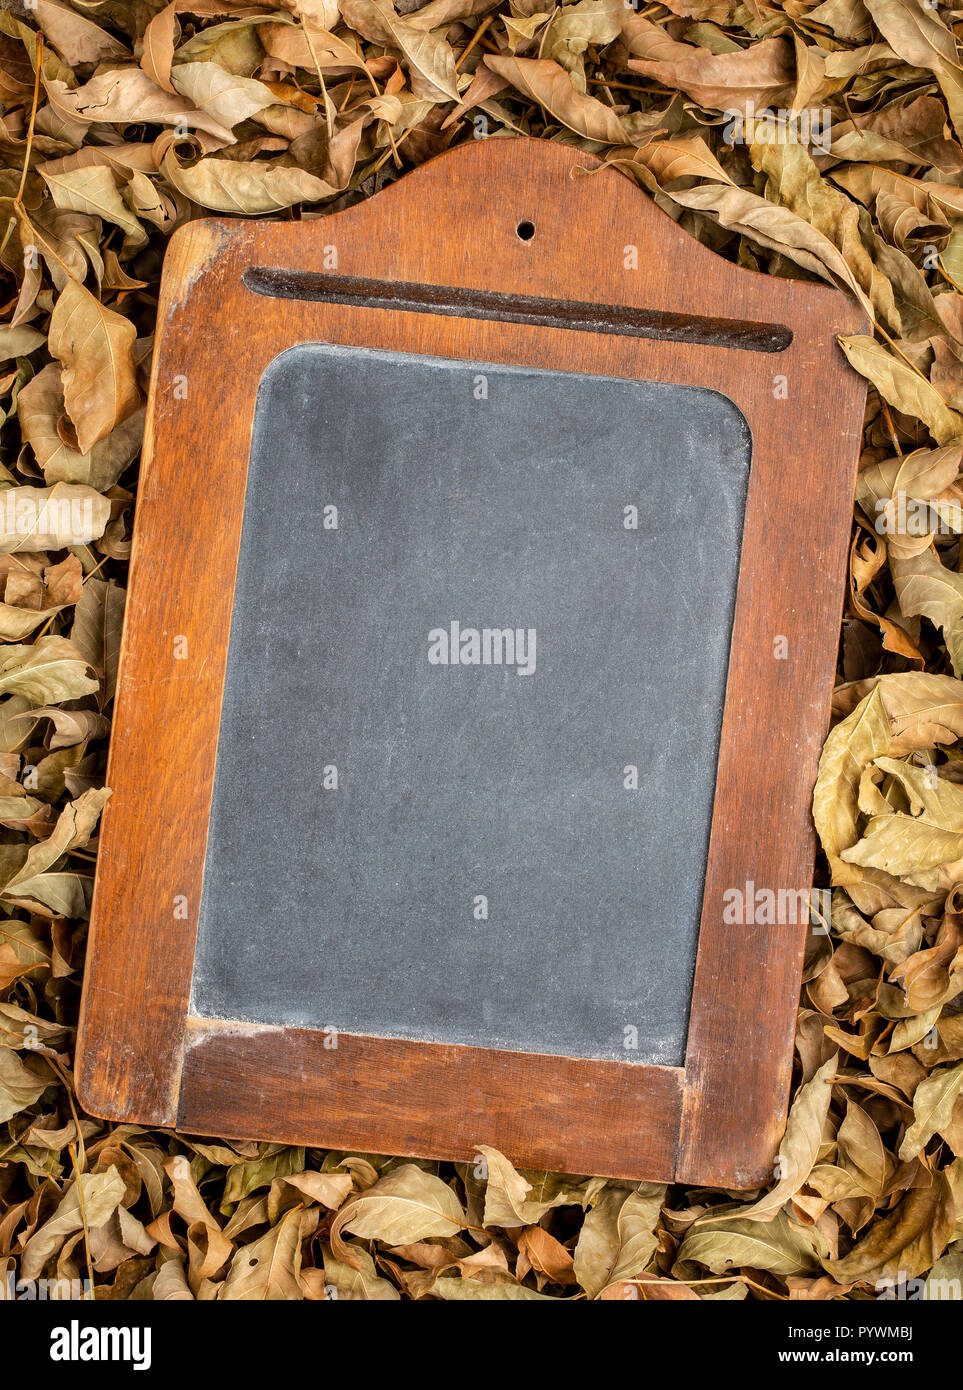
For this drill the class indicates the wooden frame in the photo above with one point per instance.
(683, 316)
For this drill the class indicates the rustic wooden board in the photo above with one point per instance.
(440, 266)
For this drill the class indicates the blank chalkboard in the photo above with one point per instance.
(473, 700)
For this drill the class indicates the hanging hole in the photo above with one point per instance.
(525, 231)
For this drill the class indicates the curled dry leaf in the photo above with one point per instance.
(244, 187)
(508, 1201)
(22, 1083)
(761, 74)
(405, 1206)
(94, 346)
(864, 735)
(904, 1243)
(48, 671)
(933, 1105)
(552, 87)
(41, 411)
(90, 1200)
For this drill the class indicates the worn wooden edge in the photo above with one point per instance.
(547, 1112)
(686, 274)
(106, 1064)
(121, 1044)
(739, 1060)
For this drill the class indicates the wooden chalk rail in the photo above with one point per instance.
(275, 282)
(496, 295)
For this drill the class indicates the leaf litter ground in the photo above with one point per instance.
(121, 120)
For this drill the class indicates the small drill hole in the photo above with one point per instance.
(525, 231)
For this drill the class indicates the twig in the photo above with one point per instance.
(395, 145)
(33, 119)
(83, 1220)
(18, 200)
(329, 121)
(474, 39)
(625, 86)
(892, 427)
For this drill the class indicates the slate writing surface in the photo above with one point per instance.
(456, 852)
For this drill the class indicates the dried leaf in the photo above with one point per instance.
(48, 671)
(617, 1238)
(225, 96)
(96, 633)
(477, 1291)
(77, 39)
(267, 1270)
(933, 1105)
(904, 1243)
(798, 1148)
(778, 1246)
(552, 87)
(125, 96)
(904, 387)
(91, 1199)
(431, 63)
(507, 1200)
(36, 884)
(20, 1084)
(405, 1206)
(95, 348)
(41, 408)
(244, 187)
(358, 1282)
(854, 743)
(762, 73)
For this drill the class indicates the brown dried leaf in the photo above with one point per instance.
(405, 1206)
(903, 1244)
(94, 346)
(244, 187)
(762, 73)
(617, 1238)
(552, 87)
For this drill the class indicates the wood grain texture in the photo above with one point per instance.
(452, 223)
(415, 1099)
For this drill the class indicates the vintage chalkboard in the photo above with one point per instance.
(480, 641)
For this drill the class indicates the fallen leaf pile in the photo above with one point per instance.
(122, 119)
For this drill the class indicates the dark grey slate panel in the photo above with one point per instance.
(355, 907)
